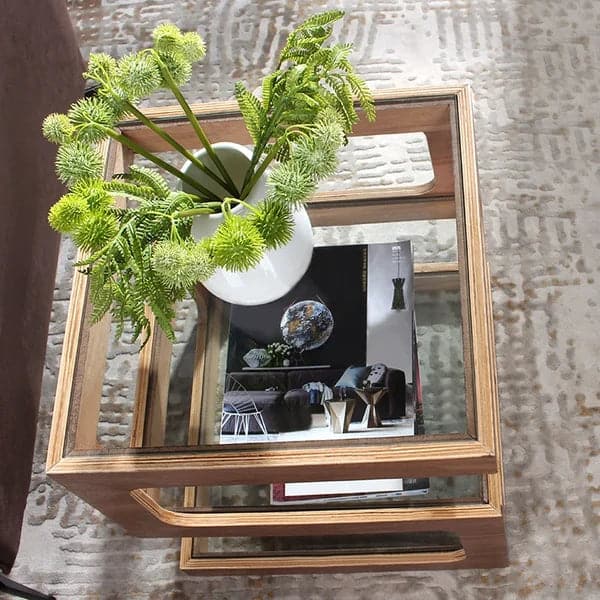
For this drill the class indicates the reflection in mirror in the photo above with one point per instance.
(361, 494)
(381, 543)
(118, 393)
(181, 373)
(396, 160)
(439, 338)
(339, 358)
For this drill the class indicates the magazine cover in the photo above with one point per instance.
(333, 359)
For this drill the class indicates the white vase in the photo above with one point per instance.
(280, 269)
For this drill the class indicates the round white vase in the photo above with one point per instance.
(280, 269)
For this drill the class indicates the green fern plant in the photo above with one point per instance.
(145, 256)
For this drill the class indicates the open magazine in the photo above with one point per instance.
(333, 359)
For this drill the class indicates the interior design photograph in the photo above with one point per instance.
(298, 300)
(333, 356)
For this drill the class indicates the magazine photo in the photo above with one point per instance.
(335, 358)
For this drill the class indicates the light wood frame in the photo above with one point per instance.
(116, 481)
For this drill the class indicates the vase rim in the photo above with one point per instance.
(240, 149)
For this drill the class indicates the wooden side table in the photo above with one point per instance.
(340, 412)
(371, 396)
(134, 481)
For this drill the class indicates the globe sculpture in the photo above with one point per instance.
(306, 325)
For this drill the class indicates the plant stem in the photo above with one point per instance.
(175, 144)
(261, 169)
(258, 149)
(246, 205)
(231, 187)
(207, 208)
(192, 212)
(271, 156)
(159, 162)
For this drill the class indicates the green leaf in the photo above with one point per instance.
(148, 178)
(267, 89)
(364, 95)
(141, 192)
(252, 111)
(310, 35)
(321, 19)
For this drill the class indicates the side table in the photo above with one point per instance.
(340, 413)
(371, 396)
(158, 484)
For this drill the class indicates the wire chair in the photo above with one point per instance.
(241, 411)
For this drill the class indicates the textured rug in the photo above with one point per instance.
(533, 66)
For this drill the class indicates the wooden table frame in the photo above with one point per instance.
(119, 482)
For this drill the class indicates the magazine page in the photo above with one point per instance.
(312, 492)
(333, 359)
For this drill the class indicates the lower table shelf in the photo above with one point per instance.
(456, 523)
(445, 537)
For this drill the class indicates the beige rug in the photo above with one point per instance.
(533, 65)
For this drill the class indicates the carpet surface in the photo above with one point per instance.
(533, 66)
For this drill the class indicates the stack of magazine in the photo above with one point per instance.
(388, 276)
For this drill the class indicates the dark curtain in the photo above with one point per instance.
(40, 73)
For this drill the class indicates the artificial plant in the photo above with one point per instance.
(145, 254)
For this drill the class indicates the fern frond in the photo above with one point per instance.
(101, 291)
(364, 95)
(252, 111)
(164, 315)
(93, 193)
(340, 55)
(331, 58)
(134, 190)
(340, 98)
(149, 178)
(267, 89)
(310, 35)
(320, 20)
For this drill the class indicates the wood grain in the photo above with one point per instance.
(116, 484)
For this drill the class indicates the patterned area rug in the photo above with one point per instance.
(533, 68)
